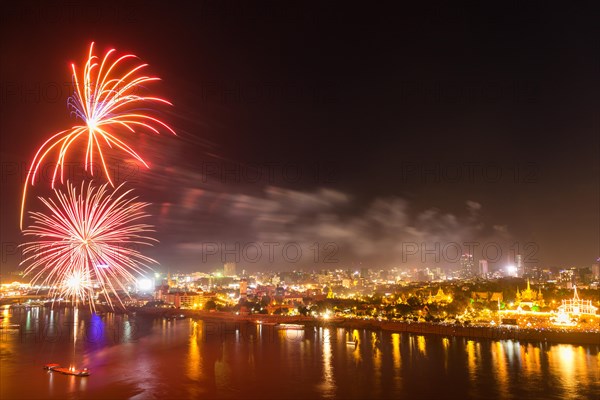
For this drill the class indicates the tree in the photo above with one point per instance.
(210, 305)
(302, 310)
(280, 311)
(403, 309)
(413, 301)
(265, 301)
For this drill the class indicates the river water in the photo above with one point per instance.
(143, 357)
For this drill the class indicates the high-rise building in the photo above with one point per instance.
(595, 271)
(467, 265)
(483, 268)
(364, 272)
(519, 265)
(243, 288)
(229, 269)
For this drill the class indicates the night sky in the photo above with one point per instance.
(359, 127)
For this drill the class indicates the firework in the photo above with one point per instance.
(76, 285)
(87, 239)
(108, 104)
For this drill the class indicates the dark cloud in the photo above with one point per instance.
(321, 224)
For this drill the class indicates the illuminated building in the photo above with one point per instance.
(329, 293)
(529, 297)
(567, 277)
(170, 282)
(440, 298)
(483, 268)
(243, 288)
(563, 319)
(229, 269)
(487, 296)
(519, 265)
(467, 264)
(595, 271)
(161, 291)
(184, 299)
(288, 303)
(576, 306)
(364, 273)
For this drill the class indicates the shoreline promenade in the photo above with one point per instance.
(421, 328)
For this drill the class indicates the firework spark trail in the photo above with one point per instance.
(107, 104)
(85, 238)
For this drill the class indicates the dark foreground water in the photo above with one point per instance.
(146, 358)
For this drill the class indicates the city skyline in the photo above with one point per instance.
(449, 141)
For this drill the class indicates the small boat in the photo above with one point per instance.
(51, 367)
(289, 326)
(72, 371)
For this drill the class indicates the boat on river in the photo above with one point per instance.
(289, 326)
(263, 323)
(72, 371)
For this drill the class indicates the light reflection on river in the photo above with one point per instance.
(142, 357)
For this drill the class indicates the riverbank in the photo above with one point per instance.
(421, 328)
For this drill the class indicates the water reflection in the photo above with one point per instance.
(223, 371)
(396, 359)
(446, 346)
(418, 343)
(474, 361)
(471, 359)
(531, 362)
(50, 382)
(193, 362)
(196, 359)
(422, 345)
(396, 349)
(356, 354)
(572, 362)
(376, 363)
(75, 324)
(500, 368)
(328, 386)
(573, 370)
(95, 332)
